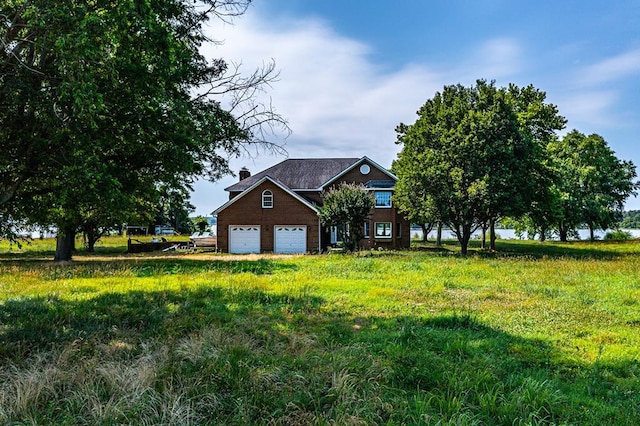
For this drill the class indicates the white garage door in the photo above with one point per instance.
(244, 239)
(290, 239)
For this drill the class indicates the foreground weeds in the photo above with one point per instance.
(532, 335)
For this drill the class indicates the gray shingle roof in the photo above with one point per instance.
(303, 173)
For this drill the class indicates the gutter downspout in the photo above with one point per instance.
(319, 236)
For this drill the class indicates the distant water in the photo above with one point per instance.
(510, 234)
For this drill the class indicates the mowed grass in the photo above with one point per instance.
(535, 334)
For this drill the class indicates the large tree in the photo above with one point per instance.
(102, 100)
(471, 152)
(538, 122)
(592, 183)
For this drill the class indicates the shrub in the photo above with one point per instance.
(618, 235)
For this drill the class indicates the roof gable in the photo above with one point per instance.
(362, 160)
(258, 183)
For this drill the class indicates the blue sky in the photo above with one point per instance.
(351, 71)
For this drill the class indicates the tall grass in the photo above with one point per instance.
(535, 334)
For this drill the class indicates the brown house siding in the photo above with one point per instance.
(377, 215)
(396, 219)
(287, 210)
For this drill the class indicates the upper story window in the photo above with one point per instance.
(383, 198)
(267, 199)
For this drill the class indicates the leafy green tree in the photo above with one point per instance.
(114, 209)
(470, 153)
(174, 210)
(347, 207)
(538, 123)
(630, 220)
(102, 101)
(593, 183)
(200, 223)
(411, 198)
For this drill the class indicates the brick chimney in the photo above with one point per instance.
(244, 173)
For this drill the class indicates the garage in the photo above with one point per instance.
(244, 239)
(290, 239)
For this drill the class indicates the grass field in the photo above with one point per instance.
(535, 334)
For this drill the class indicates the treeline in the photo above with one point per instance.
(630, 220)
(479, 154)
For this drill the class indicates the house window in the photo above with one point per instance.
(336, 234)
(383, 230)
(383, 198)
(367, 229)
(267, 199)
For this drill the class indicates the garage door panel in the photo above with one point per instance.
(244, 239)
(290, 239)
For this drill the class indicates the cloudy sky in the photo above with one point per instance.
(352, 70)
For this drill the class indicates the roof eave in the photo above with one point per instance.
(353, 166)
(258, 183)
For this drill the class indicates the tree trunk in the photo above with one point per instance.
(464, 243)
(483, 242)
(592, 236)
(92, 234)
(563, 234)
(425, 232)
(439, 235)
(492, 236)
(464, 239)
(91, 237)
(543, 234)
(64, 244)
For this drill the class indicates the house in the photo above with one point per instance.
(276, 210)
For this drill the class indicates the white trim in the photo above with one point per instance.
(258, 183)
(382, 237)
(264, 193)
(390, 199)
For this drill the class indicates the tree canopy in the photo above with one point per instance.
(630, 220)
(481, 153)
(592, 182)
(347, 207)
(470, 154)
(103, 103)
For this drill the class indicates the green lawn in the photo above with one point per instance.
(535, 334)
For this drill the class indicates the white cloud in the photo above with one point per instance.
(497, 59)
(589, 109)
(337, 101)
(592, 95)
(620, 66)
